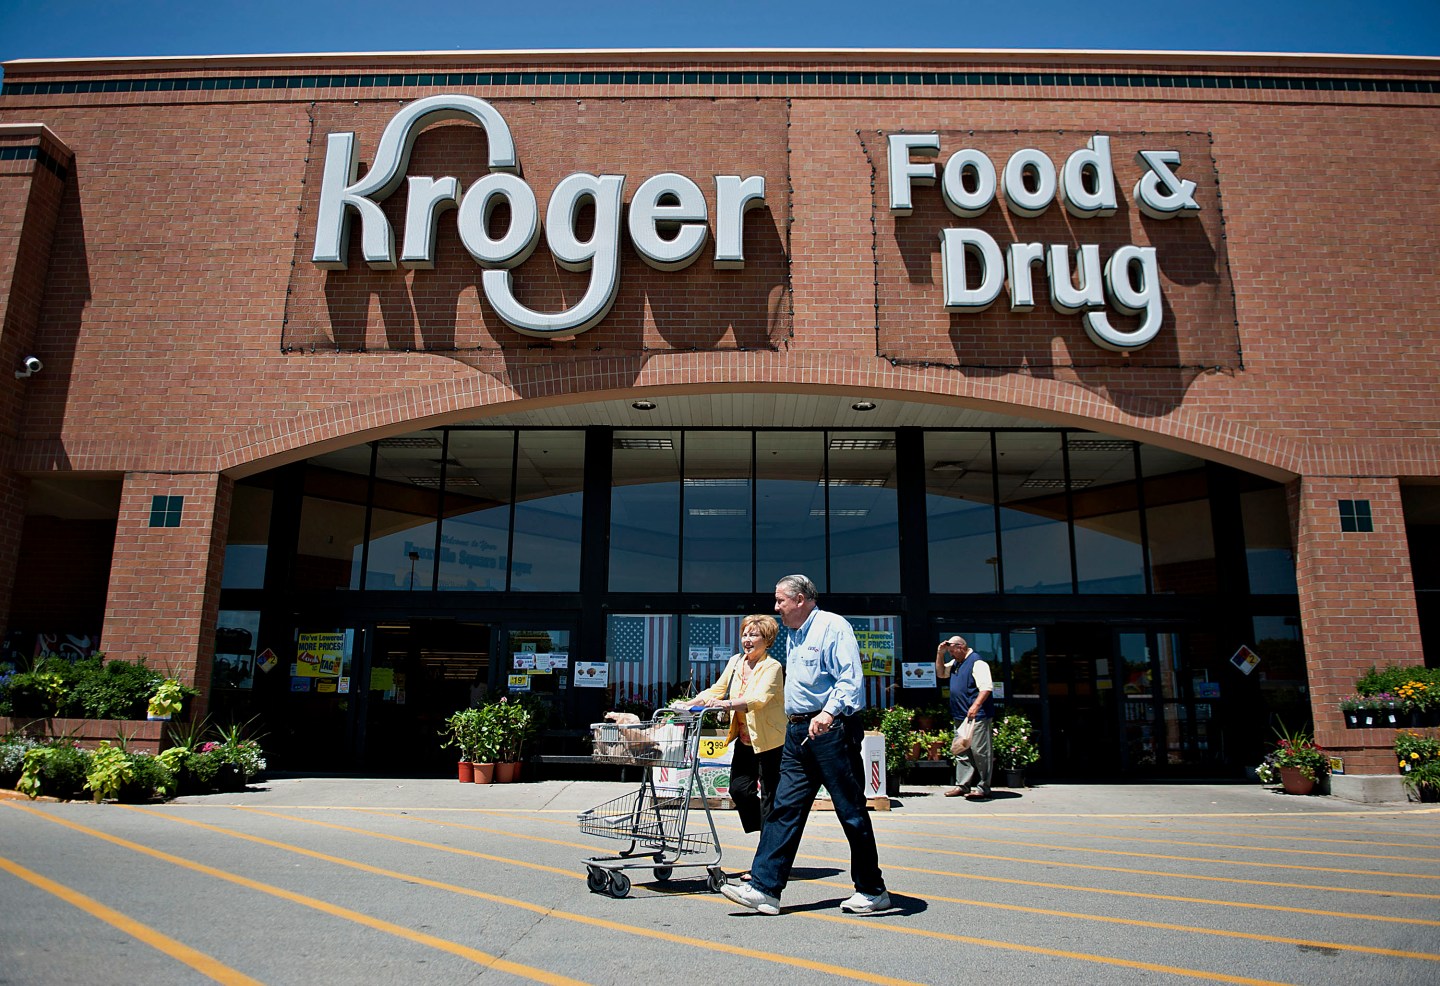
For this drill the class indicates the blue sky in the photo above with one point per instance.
(72, 29)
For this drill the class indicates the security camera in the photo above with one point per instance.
(31, 365)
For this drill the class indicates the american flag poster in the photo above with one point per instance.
(641, 653)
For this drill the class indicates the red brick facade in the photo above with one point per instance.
(188, 342)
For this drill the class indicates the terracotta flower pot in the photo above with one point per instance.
(506, 771)
(484, 773)
(466, 772)
(1294, 782)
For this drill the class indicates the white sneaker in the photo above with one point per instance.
(865, 904)
(757, 900)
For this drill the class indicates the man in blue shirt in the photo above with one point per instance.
(823, 677)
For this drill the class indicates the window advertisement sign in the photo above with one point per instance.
(917, 674)
(319, 655)
(592, 674)
(877, 651)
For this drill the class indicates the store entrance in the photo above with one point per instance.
(421, 671)
(1080, 723)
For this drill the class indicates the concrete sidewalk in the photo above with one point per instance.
(1059, 798)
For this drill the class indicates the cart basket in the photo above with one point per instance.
(653, 820)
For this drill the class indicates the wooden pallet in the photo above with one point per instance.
(881, 803)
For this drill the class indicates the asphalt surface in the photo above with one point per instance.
(362, 880)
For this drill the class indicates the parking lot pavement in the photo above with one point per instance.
(402, 880)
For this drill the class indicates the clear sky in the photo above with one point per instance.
(72, 29)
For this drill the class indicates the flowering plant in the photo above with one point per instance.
(1419, 758)
(1354, 703)
(1014, 742)
(1416, 696)
(1293, 749)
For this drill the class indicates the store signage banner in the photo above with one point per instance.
(1034, 249)
(456, 223)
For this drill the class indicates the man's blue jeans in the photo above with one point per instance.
(832, 759)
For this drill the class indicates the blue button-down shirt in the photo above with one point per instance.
(822, 667)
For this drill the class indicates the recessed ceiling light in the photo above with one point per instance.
(643, 405)
(863, 406)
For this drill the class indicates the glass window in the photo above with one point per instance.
(1104, 498)
(1024, 665)
(165, 511)
(863, 512)
(235, 634)
(248, 538)
(549, 497)
(789, 507)
(332, 529)
(1177, 522)
(475, 531)
(960, 512)
(406, 504)
(1268, 552)
(1034, 532)
(645, 512)
(717, 512)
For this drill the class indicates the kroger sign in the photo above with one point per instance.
(668, 220)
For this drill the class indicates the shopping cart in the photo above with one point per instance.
(653, 819)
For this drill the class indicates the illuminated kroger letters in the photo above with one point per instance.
(667, 220)
(1030, 184)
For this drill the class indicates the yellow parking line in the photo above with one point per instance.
(1167, 926)
(473, 954)
(1035, 862)
(971, 836)
(843, 971)
(1206, 975)
(197, 960)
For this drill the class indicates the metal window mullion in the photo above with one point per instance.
(369, 512)
(1069, 513)
(995, 506)
(680, 545)
(754, 512)
(514, 479)
(825, 499)
(1144, 524)
(440, 508)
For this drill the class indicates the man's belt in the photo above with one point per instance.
(804, 716)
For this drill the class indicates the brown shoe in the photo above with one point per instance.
(957, 792)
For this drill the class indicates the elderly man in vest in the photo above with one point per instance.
(970, 698)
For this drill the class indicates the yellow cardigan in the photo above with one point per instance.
(764, 698)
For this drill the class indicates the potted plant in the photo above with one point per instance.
(1360, 712)
(1296, 762)
(462, 732)
(1015, 747)
(895, 728)
(1419, 758)
(1417, 699)
(167, 700)
(512, 722)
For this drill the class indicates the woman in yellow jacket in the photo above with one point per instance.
(752, 689)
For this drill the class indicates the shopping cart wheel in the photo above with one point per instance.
(717, 878)
(596, 879)
(619, 884)
(662, 873)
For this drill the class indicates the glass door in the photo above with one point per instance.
(419, 672)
